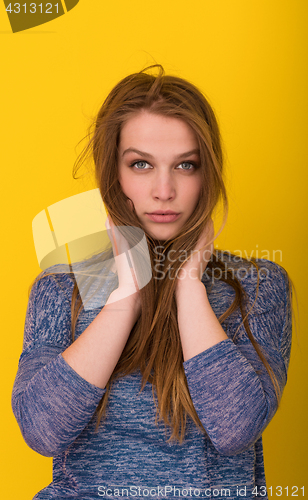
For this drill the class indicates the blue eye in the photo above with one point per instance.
(141, 164)
(189, 164)
(138, 163)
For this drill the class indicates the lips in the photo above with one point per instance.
(166, 217)
(163, 212)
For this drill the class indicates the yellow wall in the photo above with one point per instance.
(249, 58)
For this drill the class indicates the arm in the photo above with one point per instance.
(96, 352)
(229, 385)
(59, 385)
(199, 328)
(51, 400)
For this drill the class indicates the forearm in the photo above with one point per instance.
(233, 403)
(58, 384)
(51, 402)
(221, 381)
(97, 350)
(230, 387)
(56, 392)
(198, 326)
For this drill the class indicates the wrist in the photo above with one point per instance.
(188, 283)
(127, 298)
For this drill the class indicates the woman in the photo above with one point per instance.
(166, 390)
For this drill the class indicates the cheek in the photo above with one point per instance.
(132, 191)
(199, 188)
(194, 192)
(137, 196)
(124, 183)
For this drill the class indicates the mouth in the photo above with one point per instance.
(163, 212)
(163, 217)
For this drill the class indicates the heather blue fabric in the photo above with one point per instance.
(129, 456)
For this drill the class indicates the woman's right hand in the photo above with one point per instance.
(128, 284)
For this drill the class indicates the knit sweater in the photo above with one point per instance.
(130, 456)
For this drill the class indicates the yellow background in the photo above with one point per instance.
(249, 57)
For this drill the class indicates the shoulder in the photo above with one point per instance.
(265, 282)
(48, 314)
(54, 281)
(93, 278)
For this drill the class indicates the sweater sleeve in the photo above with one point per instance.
(230, 387)
(51, 402)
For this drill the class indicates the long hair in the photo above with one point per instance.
(154, 345)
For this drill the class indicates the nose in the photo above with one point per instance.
(163, 186)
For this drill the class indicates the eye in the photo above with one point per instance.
(188, 165)
(139, 165)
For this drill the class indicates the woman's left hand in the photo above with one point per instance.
(194, 268)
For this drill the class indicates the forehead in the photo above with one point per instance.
(152, 129)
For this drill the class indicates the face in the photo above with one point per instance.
(159, 170)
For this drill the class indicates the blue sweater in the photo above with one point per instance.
(129, 456)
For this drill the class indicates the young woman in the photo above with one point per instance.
(166, 390)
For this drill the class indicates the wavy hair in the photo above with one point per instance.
(154, 345)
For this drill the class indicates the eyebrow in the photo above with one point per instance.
(142, 153)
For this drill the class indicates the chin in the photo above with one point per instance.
(162, 235)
